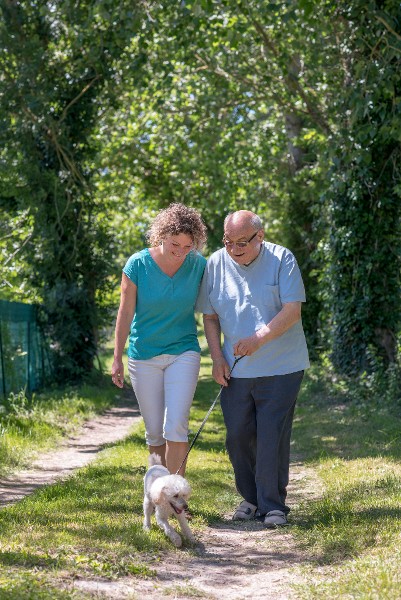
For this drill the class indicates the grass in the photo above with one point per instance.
(32, 424)
(185, 591)
(353, 531)
(91, 525)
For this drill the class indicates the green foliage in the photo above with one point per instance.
(109, 112)
(234, 115)
(60, 63)
(365, 239)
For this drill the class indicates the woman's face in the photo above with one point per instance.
(176, 247)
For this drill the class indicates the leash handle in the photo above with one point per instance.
(208, 414)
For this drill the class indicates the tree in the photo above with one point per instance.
(108, 114)
(236, 114)
(61, 64)
(365, 241)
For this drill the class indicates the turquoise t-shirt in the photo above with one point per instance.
(164, 321)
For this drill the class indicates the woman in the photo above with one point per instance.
(159, 288)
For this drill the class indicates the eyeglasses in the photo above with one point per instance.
(229, 244)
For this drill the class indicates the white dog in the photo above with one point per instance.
(166, 494)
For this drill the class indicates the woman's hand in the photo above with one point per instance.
(117, 373)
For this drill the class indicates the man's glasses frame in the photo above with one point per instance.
(243, 244)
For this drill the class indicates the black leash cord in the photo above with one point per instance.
(208, 414)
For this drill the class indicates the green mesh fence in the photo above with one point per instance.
(24, 360)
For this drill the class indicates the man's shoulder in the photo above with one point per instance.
(279, 254)
(216, 257)
(272, 249)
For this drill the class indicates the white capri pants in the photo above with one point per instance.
(164, 387)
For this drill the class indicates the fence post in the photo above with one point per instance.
(29, 356)
(24, 335)
(3, 371)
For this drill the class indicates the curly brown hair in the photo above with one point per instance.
(175, 219)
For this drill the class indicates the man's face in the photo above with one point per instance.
(242, 241)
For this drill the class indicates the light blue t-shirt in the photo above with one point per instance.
(246, 298)
(164, 321)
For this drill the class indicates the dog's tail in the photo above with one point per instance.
(154, 459)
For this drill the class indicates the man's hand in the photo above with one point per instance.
(286, 318)
(221, 371)
(249, 345)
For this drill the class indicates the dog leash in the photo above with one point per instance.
(208, 414)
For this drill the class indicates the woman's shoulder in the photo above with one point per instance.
(136, 259)
(140, 256)
(197, 258)
(201, 259)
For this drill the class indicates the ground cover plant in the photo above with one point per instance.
(91, 525)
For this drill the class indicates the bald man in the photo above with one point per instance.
(252, 291)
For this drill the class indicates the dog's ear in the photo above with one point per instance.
(154, 459)
(157, 492)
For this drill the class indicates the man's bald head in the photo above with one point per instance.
(243, 219)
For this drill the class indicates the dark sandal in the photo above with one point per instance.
(245, 511)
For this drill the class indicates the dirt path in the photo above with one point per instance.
(74, 452)
(232, 561)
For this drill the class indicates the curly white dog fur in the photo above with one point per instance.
(167, 495)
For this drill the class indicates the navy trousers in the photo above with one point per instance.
(258, 414)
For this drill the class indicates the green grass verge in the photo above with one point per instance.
(354, 531)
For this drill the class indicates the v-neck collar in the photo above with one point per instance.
(170, 277)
